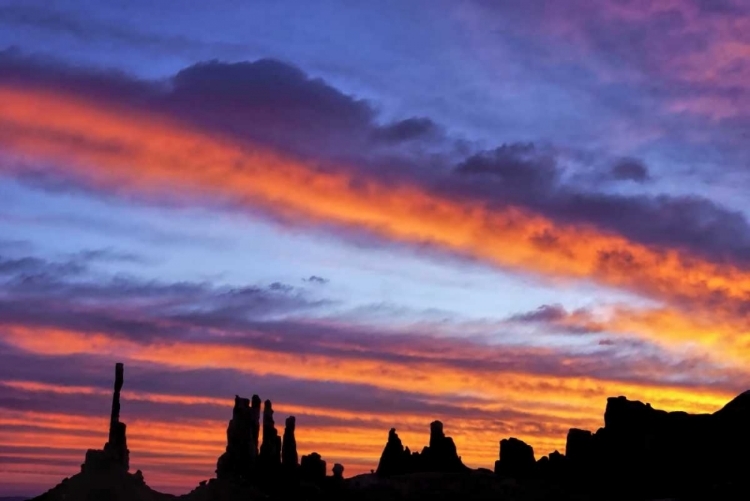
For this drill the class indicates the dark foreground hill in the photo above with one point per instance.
(640, 454)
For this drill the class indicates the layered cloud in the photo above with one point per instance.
(110, 148)
(188, 348)
(275, 106)
(263, 138)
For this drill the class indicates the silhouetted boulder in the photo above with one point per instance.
(313, 468)
(338, 471)
(289, 446)
(516, 458)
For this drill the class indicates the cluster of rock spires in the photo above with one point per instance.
(247, 459)
(640, 453)
(252, 464)
(439, 456)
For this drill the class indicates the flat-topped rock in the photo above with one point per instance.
(516, 458)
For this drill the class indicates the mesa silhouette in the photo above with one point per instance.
(640, 453)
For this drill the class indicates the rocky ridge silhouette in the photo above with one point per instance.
(641, 453)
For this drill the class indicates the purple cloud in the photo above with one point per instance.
(278, 105)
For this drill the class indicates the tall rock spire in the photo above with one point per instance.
(255, 425)
(289, 447)
(441, 455)
(117, 446)
(115, 453)
(237, 462)
(395, 460)
(115, 416)
(270, 450)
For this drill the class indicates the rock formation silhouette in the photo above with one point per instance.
(255, 424)
(115, 453)
(394, 460)
(578, 445)
(338, 471)
(105, 472)
(516, 458)
(639, 454)
(239, 459)
(313, 468)
(638, 442)
(289, 446)
(439, 456)
(270, 449)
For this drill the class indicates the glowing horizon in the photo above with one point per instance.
(497, 217)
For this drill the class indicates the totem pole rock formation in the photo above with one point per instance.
(238, 460)
(270, 449)
(640, 453)
(115, 453)
(117, 446)
(289, 446)
(516, 458)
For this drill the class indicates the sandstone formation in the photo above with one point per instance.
(313, 468)
(104, 473)
(516, 458)
(552, 467)
(270, 449)
(255, 424)
(439, 456)
(338, 471)
(289, 446)
(115, 453)
(639, 454)
(238, 461)
(578, 446)
(658, 452)
(394, 460)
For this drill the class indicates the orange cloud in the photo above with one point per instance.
(723, 330)
(567, 397)
(127, 151)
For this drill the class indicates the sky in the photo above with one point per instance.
(495, 214)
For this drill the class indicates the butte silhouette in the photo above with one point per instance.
(640, 454)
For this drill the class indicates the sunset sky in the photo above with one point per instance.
(375, 214)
